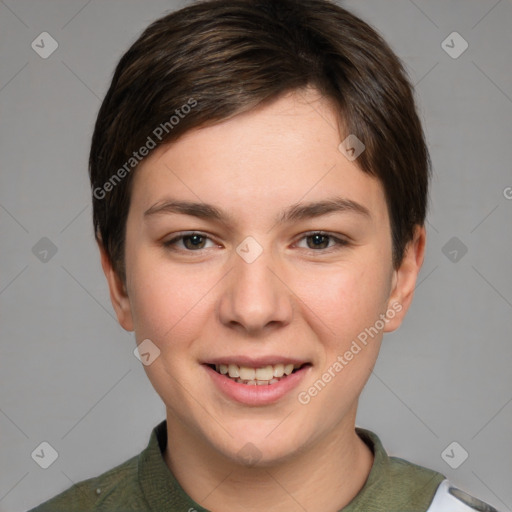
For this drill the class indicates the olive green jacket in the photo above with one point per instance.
(145, 483)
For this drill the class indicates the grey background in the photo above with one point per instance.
(68, 375)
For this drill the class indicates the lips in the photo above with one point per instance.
(261, 389)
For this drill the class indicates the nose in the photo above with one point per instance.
(255, 298)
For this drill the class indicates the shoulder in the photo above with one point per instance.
(412, 484)
(418, 478)
(402, 486)
(118, 487)
(398, 479)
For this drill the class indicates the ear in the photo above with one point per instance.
(118, 293)
(404, 279)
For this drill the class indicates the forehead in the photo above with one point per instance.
(256, 162)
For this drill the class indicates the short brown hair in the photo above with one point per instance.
(223, 57)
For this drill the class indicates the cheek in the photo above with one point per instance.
(347, 299)
(349, 305)
(166, 301)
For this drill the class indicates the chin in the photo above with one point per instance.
(266, 444)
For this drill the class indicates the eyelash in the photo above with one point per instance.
(339, 242)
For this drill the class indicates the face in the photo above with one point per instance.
(255, 247)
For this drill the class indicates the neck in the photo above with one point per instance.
(325, 476)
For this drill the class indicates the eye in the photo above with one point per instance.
(189, 242)
(319, 240)
(194, 242)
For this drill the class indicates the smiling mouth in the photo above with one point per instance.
(263, 376)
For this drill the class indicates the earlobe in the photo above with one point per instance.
(404, 279)
(118, 294)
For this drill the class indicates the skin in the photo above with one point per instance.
(294, 300)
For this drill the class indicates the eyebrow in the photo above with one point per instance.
(298, 211)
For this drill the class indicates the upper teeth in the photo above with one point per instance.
(264, 373)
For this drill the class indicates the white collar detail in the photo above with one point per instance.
(450, 499)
